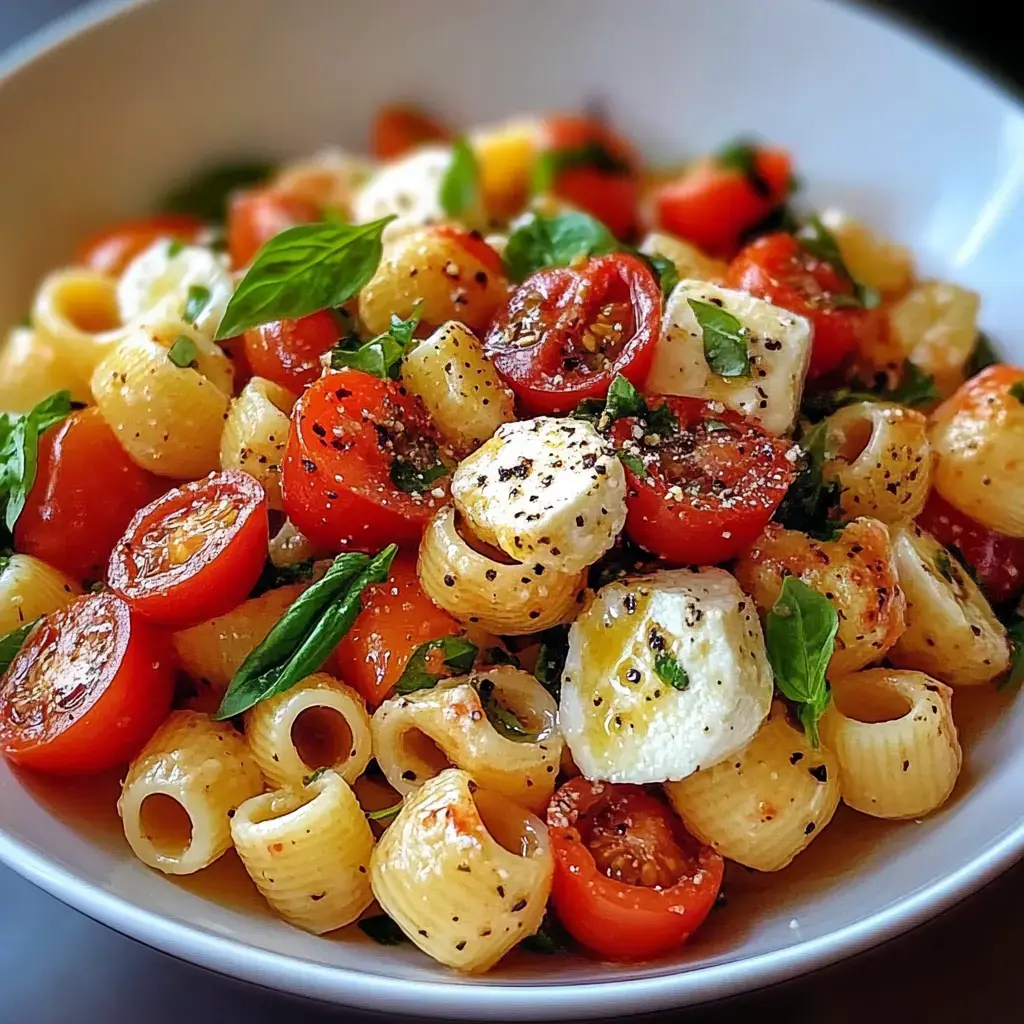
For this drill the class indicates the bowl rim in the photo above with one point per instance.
(456, 997)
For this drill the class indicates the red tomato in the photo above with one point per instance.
(256, 215)
(712, 205)
(778, 268)
(196, 552)
(111, 250)
(474, 244)
(86, 491)
(397, 617)
(288, 351)
(351, 436)
(630, 882)
(567, 332)
(708, 489)
(607, 186)
(397, 129)
(997, 560)
(89, 687)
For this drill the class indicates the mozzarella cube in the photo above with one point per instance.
(778, 343)
(666, 674)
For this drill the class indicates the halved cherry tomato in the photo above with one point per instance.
(356, 443)
(257, 215)
(196, 552)
(779, 269)
(567, 332)
(630, 882)
(397, 617)
(288, 351)
(607, 185)
(997, 560)
(708, 488)
(711, 205)
(473, 242)
(398, 128)
(86, 491)
(88, 688)
(109, 251)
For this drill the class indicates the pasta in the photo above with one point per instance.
(499, 725)
(893, 734)
(318, 723)
(30, 588)
(871, 259)
(506, 153)
(689, 261)
(30, 370)
(328, 179)
(308, 849)
(465, 874)
(180, 792)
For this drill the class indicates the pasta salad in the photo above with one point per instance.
(489, 538)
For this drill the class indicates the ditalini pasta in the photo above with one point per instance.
(431, 543)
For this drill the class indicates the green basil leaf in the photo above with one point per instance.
(591, 154)
(412, 479)
(505, 721)
(384, 812)
(436, 660)
(302, 270)
(984, 354)
(623, 400)
(915, 387)
(383, 930)
(660, 420)
(305, 635)
(1017, 391)
(741, 156)
(554, 649)
(715, 426)
(816, 239)
(308, 780)
(944, 566)
(274, 576)
(632, 462)
(12, 643)
(206, 196)
(5, 559)
(183, 352)
(800, 632)
(555, 241)
(590, 409)
(196, 300)
(811, 504)
(175, 246)
(664, 271)
(725, 339)
(381, 356)
(460, 185)
(670, 671)
(550, 939)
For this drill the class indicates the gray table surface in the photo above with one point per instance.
(58, 967)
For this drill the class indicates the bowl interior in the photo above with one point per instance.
(921, 147)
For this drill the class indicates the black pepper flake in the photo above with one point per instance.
(633, 675)
(795, 757)
(819, 772)
(906, 765)
(809, 828)
(460, 946)
(449, 580)
(501, 891)
(308, 465)
(518, 905)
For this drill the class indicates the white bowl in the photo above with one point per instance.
(101, 114)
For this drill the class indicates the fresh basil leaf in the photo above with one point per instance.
(175, 246)
(670, 671)
(715, 426)
(206, 196)
(591, 154)
(725, 339)
(741, 156)
(460, 185)
(664, 271)
(1017, 391)
(381, 356)
(5, 559)
(816, 239)
(811, 504)
(1015, 631)
(555, 241)
(590, 409)
(915, 388)
(436, 660)
(383, 930)
(274, 576)
(12, 643)
(623, 400)
(412, 479)
(384, 812)
(196, 300)
(632, 462)
(302, 270)
(305, 635)
(550, 939)
(554, 649)
(183, 352)
(505, 721)
(308, 780)
(800, 632)
(984, 354)
(660, 420)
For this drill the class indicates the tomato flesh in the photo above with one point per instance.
(89, 687)
(112, 249)
(350, 435)
(630, 883)
(566, 333)
(86, 491)
(398, 129)
(196, 552)
(257, 215)
(288, 351)
(708, 488)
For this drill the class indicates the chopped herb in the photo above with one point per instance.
(308, 780)
(12, 643)
(554, 649)
(915, 388)
(966, 566)
(781, 219)
(206, 196)
(741, 156)
(811, 504)
(460, 185)
(381, 356)
(1017, 391)
(816, 239)
(198, 298)
(664, 270)
(550, 938)
(274, 576)
(984, 354)
(456, 656)
(504, 720)
(183, 352)
(623, 400)
(384, 812)
(591, 154)
(670, 671)
(413, 479)
(555, 241)
(725, 339)
(382, 930)
(715, 426)
(1015, 633)
(175, 246)
(633, 463)
(866, 295)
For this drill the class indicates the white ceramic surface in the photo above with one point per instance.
(100, 114)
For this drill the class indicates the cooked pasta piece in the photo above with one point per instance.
(256, 433)
(439, 272)
(766, 803)
(465, 873)
(308, 850)
(31, 370)
(459, 386)
(881, 458)
(689, 261)
(856, 571)
(318, 723)
(179, 794)
(30, 588)
(289, 547)
(871, 259)
(498, 725)
(895, 740)
(329, 180)
(951, 631)
(214, 650)
(503, 597)
(506, 154)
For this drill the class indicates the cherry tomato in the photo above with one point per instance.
(474, 244)
(605, 184)
(88, 688)
(708, 488)
(288, 351)
(256, 215)
(397, 617)
(567, 332)
(630, 882)
(195, 553)
(711, 205)
(112, 249)
(357, 450)
(777, 268)
(997, 560)
(86, 491)
(397, 129)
